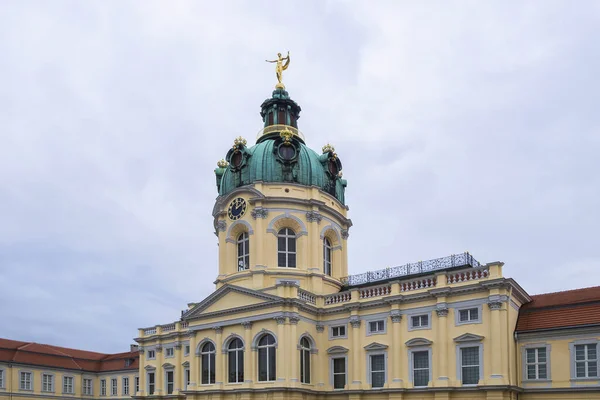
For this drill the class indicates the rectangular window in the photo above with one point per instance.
(169, 352)
(103, 387)
(186, 374)
(469, 357)
(125, 386)
(338, 331)
(186, 350)
(25, 381)
(136, 380)
(68, 385)
(339, 372)
(113, 387)
(47, 383)
(586, 361)
(376, 326)
(170, 382)
(87, 386)
(419, 321)
(151, 354)
(151, 383)
(468, 315)
(420, 368)
(537, 363)
(1, 378)
(377, 362)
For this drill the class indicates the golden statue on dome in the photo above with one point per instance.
(280, 67)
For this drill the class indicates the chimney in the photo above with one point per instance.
(133, 348)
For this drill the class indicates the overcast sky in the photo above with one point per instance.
(463, 125)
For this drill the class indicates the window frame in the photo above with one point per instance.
(572, 357)
(411, 369)
(21, 380)
(479, 320)
(103, 390)
(212, 363)
(305, 355)
(243, 239)
(65, 386)
(186, 377)
(327, 253)
(83, 386)
(287, 236)
(332, 370)
(171, 382)
(168, 350)
(267, 348)
(420, 315)
(148, 384)
(186, 349)
(151, 355)
(1, 378)
(52, 382)
(114, 386)
(459, 362)
(370, 371)
(125, 385)
(239, 368)
(333, 337)
(524, 363)
(383, 331)
(136, 383)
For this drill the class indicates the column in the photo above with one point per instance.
(159, 378)
(141, 372)
(293, 347)
(356, 352)
(248, 356)
(179, 375)
(317, 361)
(441, 344)
(398, 352)
(193, 361)
(219, 359)
(496, 341)
(281, 349)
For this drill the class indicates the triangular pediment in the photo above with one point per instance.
(376, 346)
(337, 350)
(229, 297)
(418, 342)
(468, 337)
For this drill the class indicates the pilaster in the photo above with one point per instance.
(281, 343)
(356, 355)
(248, 357)
(441, 343)
(397, 355)
(220, 375)
(293, 337)
(193, 361)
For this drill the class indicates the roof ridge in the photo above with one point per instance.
(565, 291)
(54, 348)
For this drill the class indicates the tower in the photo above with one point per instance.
(281, 214)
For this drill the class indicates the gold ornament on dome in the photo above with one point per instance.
(280, 67)
(286, 135)
(328, 148)
(239, 141)
(222, 164)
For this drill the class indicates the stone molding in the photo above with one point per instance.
(247, 324)
(355, 322)
(259, 212)
(314, 216)
(320, 328)
(396, 316)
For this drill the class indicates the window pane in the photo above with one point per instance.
(421, 377)
(271, 363)
(292, 260)
(530, 355)
(415, 321)
(240, 367)
(542, 371)
(541, 355)
(424, 320)
(281, 259)
(580, 369)
(463, 315)
(470, 375)
(205, 371)
(420, 359)
(377, 379)
(292, 244)
(262, 364)
(580, 352)
(339, 381)
(474, 314)
(339, 365)
(377, 362)
(232, 367)
(470, 356)
(592, 368)
(531, 372)
(591, 351)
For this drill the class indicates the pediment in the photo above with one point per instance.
(168, 366)
(229, 297)
(337, 350)
(375, 346)
(149, 368)
(468, 337)
(418, 342)
(185, 364)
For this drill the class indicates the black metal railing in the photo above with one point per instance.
(421, 267)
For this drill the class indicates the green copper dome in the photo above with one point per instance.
(280, 155)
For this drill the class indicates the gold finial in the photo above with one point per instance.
(280, 67)
(239, 141)
(222, 163)
(286, 135)
(328, 148)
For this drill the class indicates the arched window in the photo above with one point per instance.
(326, 257)
(208, 363)
(304, 360)
(236, 361)
(243, 251)
(286, 248)
(266, 358)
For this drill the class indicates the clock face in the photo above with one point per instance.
(237, 209)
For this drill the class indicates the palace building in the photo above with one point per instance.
(287, 321)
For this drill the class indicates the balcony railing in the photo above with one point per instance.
(421, 267)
